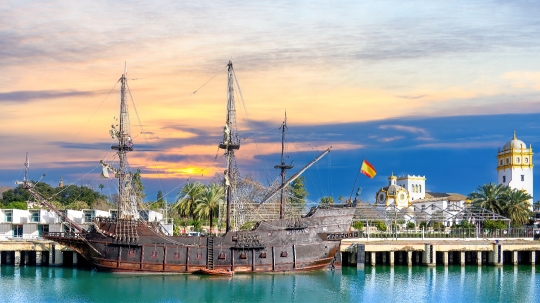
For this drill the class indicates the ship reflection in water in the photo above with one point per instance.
(380, 284)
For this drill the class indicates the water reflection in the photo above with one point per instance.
(371, 284)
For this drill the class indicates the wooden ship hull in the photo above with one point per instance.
(310, 243)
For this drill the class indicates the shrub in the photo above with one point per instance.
(494, 224)
(358, 225)
(380, 226)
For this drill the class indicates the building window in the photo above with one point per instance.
(35, 217)
(507, 160)
(517, 160)
(9, 216)
(504, 179)
(88, 216)
(432, 206)
(420, 188)
(522, 177)
(17, 231)
(423, 207)
(526, 160)
(501, 162)
(42, 229)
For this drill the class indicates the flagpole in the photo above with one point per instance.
(357, 174)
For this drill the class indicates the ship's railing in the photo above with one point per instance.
(463, 233)
(72, 235)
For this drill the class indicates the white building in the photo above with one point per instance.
(515, 166)
(31, 223)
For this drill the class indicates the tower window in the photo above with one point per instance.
(522, 177)
(501, 162)
(504, 179)
(507, 160)
(526, 160)
(517, 160)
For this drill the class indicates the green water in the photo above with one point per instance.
(381, 284)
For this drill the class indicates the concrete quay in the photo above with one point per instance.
(430, 252)
(38, 252)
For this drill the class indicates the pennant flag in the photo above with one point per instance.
(368, 169)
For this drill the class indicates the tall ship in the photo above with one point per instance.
(127, 243)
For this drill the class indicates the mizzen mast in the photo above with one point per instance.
(127, 204)
(231, 142)
(284, 167)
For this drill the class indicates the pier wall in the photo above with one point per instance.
(37, 252)
(431, 252)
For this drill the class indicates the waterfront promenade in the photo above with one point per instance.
(439, 251)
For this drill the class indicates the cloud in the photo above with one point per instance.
(424, 135)
(28, 96)
(391, 139)
(411, 96)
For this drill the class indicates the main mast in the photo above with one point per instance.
(284, 167)
(127, 204)
(230, 143)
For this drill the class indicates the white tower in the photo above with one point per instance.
(415, 185)
(515, 167)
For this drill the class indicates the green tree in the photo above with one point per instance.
(160, 197)
(77, 205)
(101, 187)
(298, 193)
(516, 206)
(410, 225)
(15, 205)
(325, 201)
(208, 203)
(536, 206)
(490, 196)
(138, 187)
(187, 201)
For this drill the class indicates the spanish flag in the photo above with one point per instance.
(368, 169)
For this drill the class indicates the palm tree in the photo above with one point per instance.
(187, 201)
(101, 187)
(490, 197)
(208, 203)
(517, 206)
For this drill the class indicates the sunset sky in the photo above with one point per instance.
(420, 88)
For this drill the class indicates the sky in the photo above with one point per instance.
(418, 87)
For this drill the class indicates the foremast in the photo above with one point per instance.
(127, 204)
(231, 142)
(284, 167)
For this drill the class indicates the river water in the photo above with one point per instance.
(380, 284)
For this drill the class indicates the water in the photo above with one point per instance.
(381, 284)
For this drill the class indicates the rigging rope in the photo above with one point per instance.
(250, 126)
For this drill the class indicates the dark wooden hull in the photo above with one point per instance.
(272, 246)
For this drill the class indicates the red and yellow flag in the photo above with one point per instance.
(368, 169)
